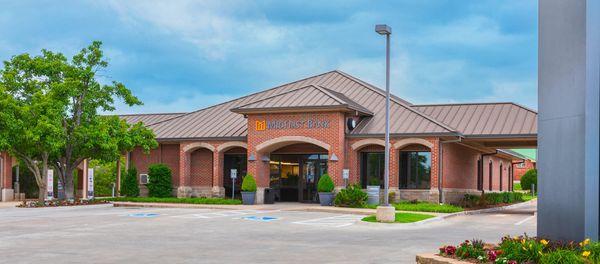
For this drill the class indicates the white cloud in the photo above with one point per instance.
(212, 26)
(474, 31)
(181, 104)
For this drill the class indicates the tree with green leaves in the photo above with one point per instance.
(50, 111)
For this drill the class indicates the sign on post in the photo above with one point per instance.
(90, 182)
(346, 176)
(233, 177)
(50, 185)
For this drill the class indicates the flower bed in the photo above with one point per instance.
(524, 249)
(56, 203)
(199, 200)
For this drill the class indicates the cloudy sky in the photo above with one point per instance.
(185, 55)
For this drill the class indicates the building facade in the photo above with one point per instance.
(290, 135)
(287, 137)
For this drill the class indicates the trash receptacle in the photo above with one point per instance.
(269, 196)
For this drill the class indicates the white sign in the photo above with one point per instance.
(345, 174)
(90, 187)
(233, 173)
(50, 185)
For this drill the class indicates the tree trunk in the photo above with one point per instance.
(69, 188)
(42, 193)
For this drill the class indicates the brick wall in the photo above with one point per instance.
(165, 153)
(333, 135)
(201, 167)
(519, 172)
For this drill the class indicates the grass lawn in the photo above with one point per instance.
(402, 218)
(528, 197)
(173, 200)
(427, 207)
(424, 207)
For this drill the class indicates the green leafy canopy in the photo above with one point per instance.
(50, 109)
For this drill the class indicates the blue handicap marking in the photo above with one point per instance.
(261, 219)
(144, 215)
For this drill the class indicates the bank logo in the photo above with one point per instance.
(261, 125)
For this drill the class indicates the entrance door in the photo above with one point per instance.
(294, 177)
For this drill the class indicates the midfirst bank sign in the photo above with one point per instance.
(303, 123)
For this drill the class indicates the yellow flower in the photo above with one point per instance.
(544, 242)
(585, 254)
(523, 241)
(586, 241)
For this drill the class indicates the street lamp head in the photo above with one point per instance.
(383, 29)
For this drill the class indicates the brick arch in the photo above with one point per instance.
(365, 142)
(409, 141)
(196, 145)
(232, 144)
(279, 142)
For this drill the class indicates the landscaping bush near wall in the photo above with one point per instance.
(159, 181)
(130, 187)
(485, 199)
(353, 196)
(529, 178)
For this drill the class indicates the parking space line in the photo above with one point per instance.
(332, 221)
(524, 220)
(232, 213)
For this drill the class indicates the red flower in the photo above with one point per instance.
(492, 255)
(449, 250)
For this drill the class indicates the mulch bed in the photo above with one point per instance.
(57, 203)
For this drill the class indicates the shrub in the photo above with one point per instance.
(561, 256)
(325, 184)
(470, 250)
(485, 199)
(353, 196)
(522, 249)
(248, 183)
(159, 181)
(530, 177)
(130, 187)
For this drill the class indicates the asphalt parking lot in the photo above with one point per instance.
(105, 234)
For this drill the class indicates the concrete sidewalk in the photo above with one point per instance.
(277, 206)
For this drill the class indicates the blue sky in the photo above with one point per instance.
(186, 55)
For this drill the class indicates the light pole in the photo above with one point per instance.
(386, 213)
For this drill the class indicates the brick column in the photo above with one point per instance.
(217, 182)
(184, 190)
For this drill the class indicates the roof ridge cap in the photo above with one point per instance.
(286, 92)
(240, 98)
(409, 107)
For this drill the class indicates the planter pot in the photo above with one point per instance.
(248, 197)
(373, 194)
(326, 198)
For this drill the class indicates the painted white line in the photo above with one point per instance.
(524, 220)
(332, 221)
(233, 213)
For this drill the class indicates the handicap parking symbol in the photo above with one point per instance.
(260, 219)
(143, 215)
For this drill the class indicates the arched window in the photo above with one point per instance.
(415, 169)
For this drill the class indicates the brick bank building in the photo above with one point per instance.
(290, 135)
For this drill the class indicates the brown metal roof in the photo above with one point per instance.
(219, 122)
(485, 119)
(304, 98)
(149, 119)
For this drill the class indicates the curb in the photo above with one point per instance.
(490, 210)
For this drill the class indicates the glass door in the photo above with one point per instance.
(313, 166)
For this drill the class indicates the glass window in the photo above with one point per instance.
(372, 168)
(521, 165)
(415, 170)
